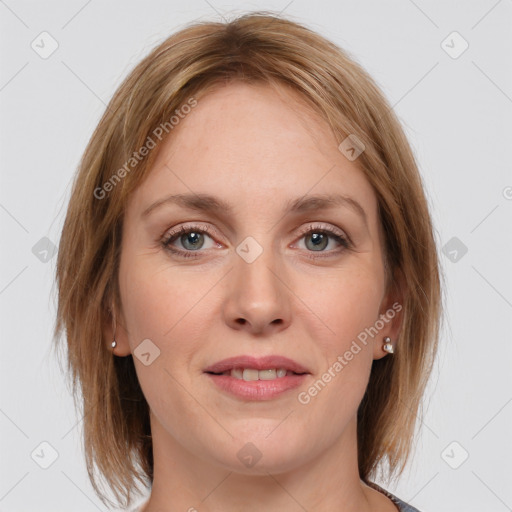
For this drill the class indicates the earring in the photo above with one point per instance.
(387, 345)
(114, 342)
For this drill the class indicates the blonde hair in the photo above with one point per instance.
(263, 48)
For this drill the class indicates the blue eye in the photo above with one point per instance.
(319, 236)
(320, 239)
(192, 239)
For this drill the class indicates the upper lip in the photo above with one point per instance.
(257, 363)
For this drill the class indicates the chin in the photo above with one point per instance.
(260, 454)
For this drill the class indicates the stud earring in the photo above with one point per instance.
(114, 342)
(387, 345)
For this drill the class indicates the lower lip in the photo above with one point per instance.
(257, 389)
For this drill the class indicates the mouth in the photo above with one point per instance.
(252, 374)
(254, 368)
(253, 378)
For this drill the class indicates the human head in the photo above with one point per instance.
(186, 68)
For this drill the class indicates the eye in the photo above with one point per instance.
(192, 238)
(317, 238)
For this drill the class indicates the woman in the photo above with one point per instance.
(248, 279)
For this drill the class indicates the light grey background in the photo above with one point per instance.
(456, 112)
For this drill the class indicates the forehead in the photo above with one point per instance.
(253, 144)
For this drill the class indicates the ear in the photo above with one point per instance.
(391, 314)
(114, 319)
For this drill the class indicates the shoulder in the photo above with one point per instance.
(401, 505)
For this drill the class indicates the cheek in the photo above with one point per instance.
(348, 307)
(347, 303)
(168, 316)
(158, 300)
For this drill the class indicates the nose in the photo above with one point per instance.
(258, 300)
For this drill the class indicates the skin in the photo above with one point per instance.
(256, 150)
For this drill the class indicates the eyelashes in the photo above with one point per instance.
(170, 237)
(326, 233)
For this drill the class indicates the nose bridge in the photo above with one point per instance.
(254, 268)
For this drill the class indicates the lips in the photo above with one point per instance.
(256, 363)
(256, 378)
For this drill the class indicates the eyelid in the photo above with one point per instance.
(333, 232)
(323, 227)
(169, 234)
(302, 231)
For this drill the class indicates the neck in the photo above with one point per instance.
(186, 482)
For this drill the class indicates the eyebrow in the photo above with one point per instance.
(209, 203)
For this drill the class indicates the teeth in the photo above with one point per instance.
(267, 374)
(238, 373)
(250, 374)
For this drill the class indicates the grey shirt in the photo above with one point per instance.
(402, 506)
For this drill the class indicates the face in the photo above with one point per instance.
(263, 277)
